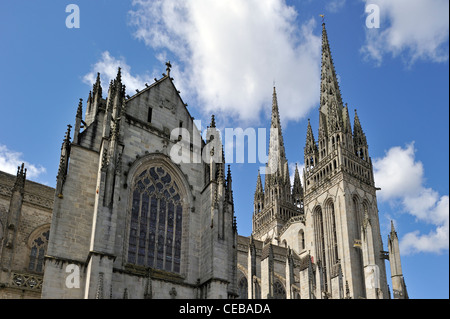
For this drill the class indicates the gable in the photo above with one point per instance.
(161, 106)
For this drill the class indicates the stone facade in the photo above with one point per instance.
(25, 216)
(147, 226)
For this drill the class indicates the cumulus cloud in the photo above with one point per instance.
(10, 160)
(232, 51)
(108, 67)
(412, 29)
(401, 179)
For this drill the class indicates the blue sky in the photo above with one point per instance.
(226, 56)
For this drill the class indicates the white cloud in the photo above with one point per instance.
(108, 67)
(397, 173)
(335, 5)
(10, 160)
(413, 29)
(401, 179)
(232, 51)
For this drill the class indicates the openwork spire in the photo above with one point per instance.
(329, 91)
(277, 154)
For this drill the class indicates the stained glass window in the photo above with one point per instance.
(156, 221)
(37, 253)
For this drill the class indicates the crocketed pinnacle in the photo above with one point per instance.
(297, 187)
(359, 138)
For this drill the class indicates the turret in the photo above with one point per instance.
(398, 282)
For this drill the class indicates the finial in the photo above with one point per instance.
(323, 18)
(169, 66)
(213, 121)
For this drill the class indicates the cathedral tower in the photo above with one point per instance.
(276, 203)
(340, 197)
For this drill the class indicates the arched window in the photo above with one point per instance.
(156, 221)
(37, 252)
(358, 218)
(319, 237)
(243, 288)
(301, 240)
(278, 291)
(334, 244)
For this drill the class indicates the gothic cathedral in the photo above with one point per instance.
(126, 220)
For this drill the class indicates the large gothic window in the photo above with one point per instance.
(320, 241)
(37, 253)
(334, 243)
(156, 221)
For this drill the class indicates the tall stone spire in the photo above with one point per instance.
(329, 87)
(277, 153)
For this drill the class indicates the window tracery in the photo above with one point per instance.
(156, 221)
(37, 252)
